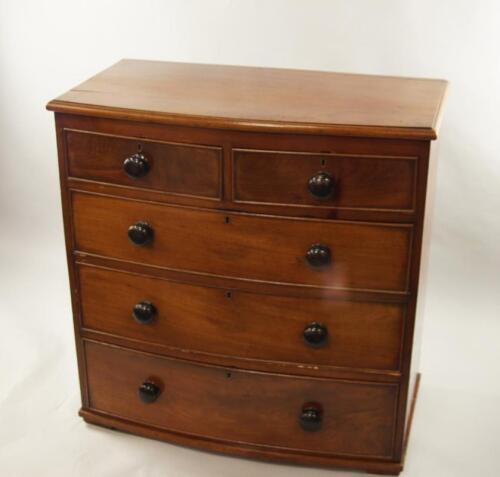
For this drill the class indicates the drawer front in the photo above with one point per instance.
(177, 169)
(273, 249)
(324, 180)
(242, 324)
(233, 405)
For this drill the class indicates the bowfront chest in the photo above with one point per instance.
(246, 251)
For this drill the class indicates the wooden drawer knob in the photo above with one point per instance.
(140, 233)
(321, 185)
(148, 392)
(315, 334)
(136, 165)
(144, 312)
(311, 417)
(318, 256)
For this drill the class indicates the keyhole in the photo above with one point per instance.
(323, 162)
(227, 219)
(228, 375)
(139, 147)
(229, 295)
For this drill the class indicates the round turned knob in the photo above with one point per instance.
(148, 392)
(321, 185)
(311, 417)
(140, 233)
(315, 334)
(318, 256)
(144, 312)
(136, 165)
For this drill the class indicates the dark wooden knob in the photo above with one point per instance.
(148, 392)
(311, 417)
(321, 185)
(144, 312)
(315, 334)
(140, 233)
(318, 256)
(136, 165)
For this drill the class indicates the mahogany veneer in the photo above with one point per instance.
(257, 247)
(274, 402)
(245, 250)
(203, 320)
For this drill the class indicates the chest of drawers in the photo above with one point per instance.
(246, 251)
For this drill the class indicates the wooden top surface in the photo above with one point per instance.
(260, 99)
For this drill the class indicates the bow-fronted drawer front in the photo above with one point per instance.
(270, 410)
(181, 169)
(331, 254)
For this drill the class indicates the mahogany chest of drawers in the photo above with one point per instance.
(246, 250)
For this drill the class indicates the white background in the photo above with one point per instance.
(46, 47)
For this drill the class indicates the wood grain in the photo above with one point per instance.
(302, 145)
(279, 455)
(218, 321)
(260, 99)
(208, 401)
(272, 249)
(193, 170)
(231, 150)
(360, 182)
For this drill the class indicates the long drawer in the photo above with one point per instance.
(333, 254)
(316, 415)
(240, 324)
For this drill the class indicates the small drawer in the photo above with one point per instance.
(332, 254)
(244, 325)
(317, 415)
(181, 169)
(324, 180)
